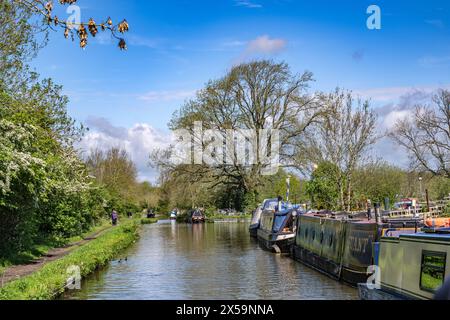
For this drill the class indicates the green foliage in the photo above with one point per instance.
(45, 191)
(115, 172)
(210, 211)
(439, 188)
(377, 182)
(149, 220)
(49, 282)
(323, 187)
(46, 194)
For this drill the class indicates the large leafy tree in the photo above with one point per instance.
(253, 96)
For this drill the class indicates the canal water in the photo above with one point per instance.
(208, 261)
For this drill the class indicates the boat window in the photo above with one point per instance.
(433, 270)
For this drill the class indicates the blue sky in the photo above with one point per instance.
(177, 46)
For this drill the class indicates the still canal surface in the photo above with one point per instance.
(208, 261)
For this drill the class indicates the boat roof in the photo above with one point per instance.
(341, 217)
(424, 235)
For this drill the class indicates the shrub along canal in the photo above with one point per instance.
(206, 261)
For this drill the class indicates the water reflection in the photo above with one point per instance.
(206, 261)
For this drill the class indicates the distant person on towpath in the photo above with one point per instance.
(369, 209)
(114, 217)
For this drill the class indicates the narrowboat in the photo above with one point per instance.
(340, 245)
(174, 215)
(268, 204)
(410, 266)
(196, 216)
(150, 214)
(277, 230)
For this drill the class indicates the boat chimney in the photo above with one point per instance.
(377, 213)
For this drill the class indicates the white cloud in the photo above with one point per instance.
(165, 96)
(142, 42)
(392, 94)
(139, 141)
(401, 108)
(247, 4)
(435, 23)
(393, 117)
(266, 45)
(262, 45)
(432, 61)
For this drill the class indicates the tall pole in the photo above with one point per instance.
(421, 189)
(288, 190)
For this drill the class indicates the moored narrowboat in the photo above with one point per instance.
(196, 216)
(174, 215)
(337, 246)
(268, 204)
(256, 219)
(340, 245)
(277, 230)
(410, 266)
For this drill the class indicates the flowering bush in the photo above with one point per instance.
(45, 191)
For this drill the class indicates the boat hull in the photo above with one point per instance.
(254, 230)
(276, 242)
(316, 262)
(366, 293)
(338, 248)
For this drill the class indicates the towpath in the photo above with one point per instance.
(19, 271)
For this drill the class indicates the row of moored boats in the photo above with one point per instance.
(406, 257)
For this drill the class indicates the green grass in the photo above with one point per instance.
(103, 225)
(49, 282)
(25, 257)
(43, 246)
(149, 220)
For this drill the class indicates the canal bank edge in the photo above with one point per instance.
(51, 280)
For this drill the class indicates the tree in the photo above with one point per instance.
(115, 171)
(377, 181)
(45, 190)
(341, 136)
(257, 96)
(45, 9)
(426, 137)
(26, 24)
(324, 186)
(21, 45)
(44, 186)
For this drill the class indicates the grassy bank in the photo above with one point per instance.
(50, 281)
(42, 247)
(149, 220)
